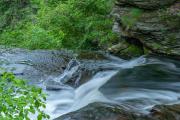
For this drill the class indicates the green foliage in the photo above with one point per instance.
(31, 37)
(131, 18)
(19, 100)
(12, 11)
(81, 22)
(74, 24)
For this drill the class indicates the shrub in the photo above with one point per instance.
(81, 21)
(131, 18)
(13, 11)
(18, 100)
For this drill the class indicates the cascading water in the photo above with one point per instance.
(104, 86)
(137, 84)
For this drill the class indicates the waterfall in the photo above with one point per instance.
(70, 100)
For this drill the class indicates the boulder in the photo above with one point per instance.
(166, 112)
(34, 66)
(106, 111)
(102, 111)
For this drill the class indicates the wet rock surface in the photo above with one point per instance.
(104, 111)
(99, 111)
(33, 65)
(166, 112)
(153, 23)
(56, 69)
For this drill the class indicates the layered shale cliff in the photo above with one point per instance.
(147, 26)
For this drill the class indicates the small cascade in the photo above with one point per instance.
(68, 100)
(72, 70)
(137, 84)
(71, 74)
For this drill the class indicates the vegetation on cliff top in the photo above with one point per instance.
(55, 24)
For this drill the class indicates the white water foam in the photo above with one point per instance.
(65, 101)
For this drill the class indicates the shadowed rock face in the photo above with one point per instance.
(154, 23)
(102, 111)
(147, 4)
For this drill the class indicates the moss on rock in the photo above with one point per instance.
(157, 29)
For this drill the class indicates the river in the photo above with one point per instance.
(72, 83)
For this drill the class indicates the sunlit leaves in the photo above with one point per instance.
(72, 24)
(19, 100)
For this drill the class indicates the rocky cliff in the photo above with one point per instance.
(147, 26)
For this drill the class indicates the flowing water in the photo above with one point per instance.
(137, 84)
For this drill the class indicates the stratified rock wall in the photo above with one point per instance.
(155, 23)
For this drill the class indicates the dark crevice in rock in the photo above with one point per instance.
(135, 42)
(152, 51)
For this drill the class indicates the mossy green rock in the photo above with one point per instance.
(157, 29)
(126, 50)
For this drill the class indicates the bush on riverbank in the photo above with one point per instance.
(19, 100)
